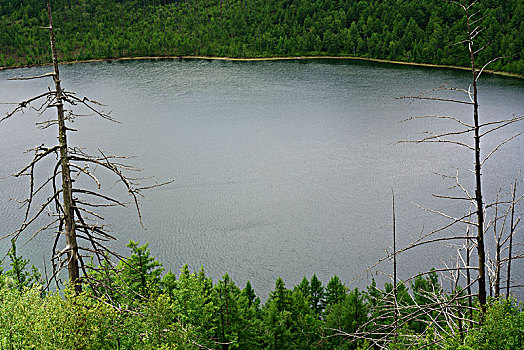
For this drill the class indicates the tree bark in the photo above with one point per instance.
(511, 232)
(496, 286)
(478, 175)
(395, 267)
(67, 193)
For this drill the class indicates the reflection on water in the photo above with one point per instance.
(281, 168)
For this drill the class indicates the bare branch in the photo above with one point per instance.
(438, 117)
(500, 145)
(50, 74)
(24, 104)
(503, 123)
(451, 197)
(439, 141)
(92, 193)
(72, 99)
(88, 173)
(435, 99)
(25, 224)
(38, 157)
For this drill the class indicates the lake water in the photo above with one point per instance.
(281, 168)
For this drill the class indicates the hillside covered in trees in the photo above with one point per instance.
(138, 308)
(412, 31)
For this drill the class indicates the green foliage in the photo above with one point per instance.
(280, 297)
(347, 316)
(289, 320)
(168, 283)
(140, 272)
(316, 293)
(304, 287)
(18, 276)
(335, 292)
(238, 315)
(158, 327)
(249, 295)
(413, 30)
(80, 322)
(503, 328)
(194, 306)
(136, 278)
(191, 312)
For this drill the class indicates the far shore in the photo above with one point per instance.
(507, 74)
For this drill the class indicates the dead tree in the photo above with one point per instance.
(505, 226)
(478, 130)
(394, 264)
(72, 207)
(452, 313)
(513, 228)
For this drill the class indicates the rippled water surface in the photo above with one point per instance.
(281, 168)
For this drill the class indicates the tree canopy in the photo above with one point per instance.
(412, 31)
(143, 309)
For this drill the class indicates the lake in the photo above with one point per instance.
(281, 168)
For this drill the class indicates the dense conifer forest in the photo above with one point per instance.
(412, 30)
(142, 307)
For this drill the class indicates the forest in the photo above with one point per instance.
(145, 308)
(410, 31)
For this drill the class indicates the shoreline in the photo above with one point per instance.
(260, 59)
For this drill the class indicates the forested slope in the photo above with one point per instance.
(138, 308)
(412, 30)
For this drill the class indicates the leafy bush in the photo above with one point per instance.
(503, 328)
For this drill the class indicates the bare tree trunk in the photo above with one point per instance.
(511, 232)
(498, 238)
(478, 175)
(67, 195)
(479, 201)
(468, 275)
(395, 267)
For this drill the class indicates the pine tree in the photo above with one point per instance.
(249, 293)
(280, 296)
(229, 323)
(169, 283)
(18, 274)
(346, 316)
(141, 273)
(317, 295)
(194, 306)
(304, 287)
(335, 291)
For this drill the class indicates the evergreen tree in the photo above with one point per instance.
(250, 327)
(250, 295)
(304, 287)
(195, 307)
(169, 283)
(140, 272)
(280, 296)
(229, 322)
(18, 275)
(335, 291)
(347, 316)
(316, 295)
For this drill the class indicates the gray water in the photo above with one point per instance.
(281, 168)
